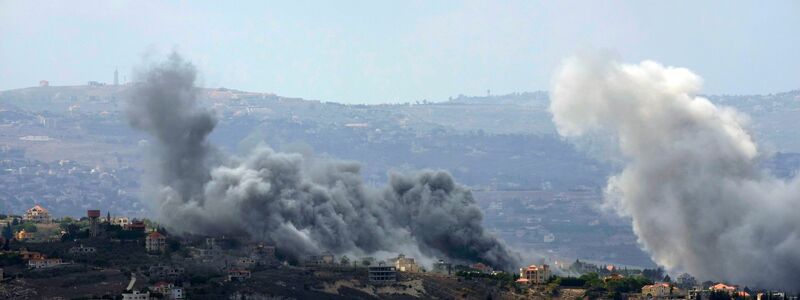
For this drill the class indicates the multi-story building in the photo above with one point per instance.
(534, 274)
(37, 214)
(382, 273)
(156, 243)
(121, 221)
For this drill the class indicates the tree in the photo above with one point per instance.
(667, 279)
(7, 232)
(719, 295)
(30, 227)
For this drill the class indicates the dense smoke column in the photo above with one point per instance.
(443, 216)
(691, 184)
(164, 105)
(303, 205)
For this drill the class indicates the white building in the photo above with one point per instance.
(136, 295)
(534, 274)
(156, 242)
(82, 250)
(169, 290)
(405, 264)
(121, 221)
(37, 214)
(41, 263)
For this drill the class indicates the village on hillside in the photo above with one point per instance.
(100, 256)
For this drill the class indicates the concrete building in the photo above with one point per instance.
(238, 275)
(41, 263)
(658, 290)
(136, 295)
(534, 274)
(326, 259)
(245, 262)
(37, 214)
(163, 272)
(382, 273)
(44, 83)
(405, 264)
(121, 221)
(156, 243)
(82, 250)
(169, 290)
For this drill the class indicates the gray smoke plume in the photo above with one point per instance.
(691, 183)
(303, 205)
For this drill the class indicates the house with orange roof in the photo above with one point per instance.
(722, 287)
(37, 214)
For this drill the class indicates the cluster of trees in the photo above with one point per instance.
(597, 287)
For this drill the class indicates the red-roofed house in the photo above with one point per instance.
(37, 214)
(482, 268)
(722, 287)
(135, 225)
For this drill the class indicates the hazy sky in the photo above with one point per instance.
(386, 51)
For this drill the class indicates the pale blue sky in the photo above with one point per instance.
(397, 51)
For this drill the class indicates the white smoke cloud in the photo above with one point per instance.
(691, 184)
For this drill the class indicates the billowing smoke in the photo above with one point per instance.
(303, 205)
(691, 183)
